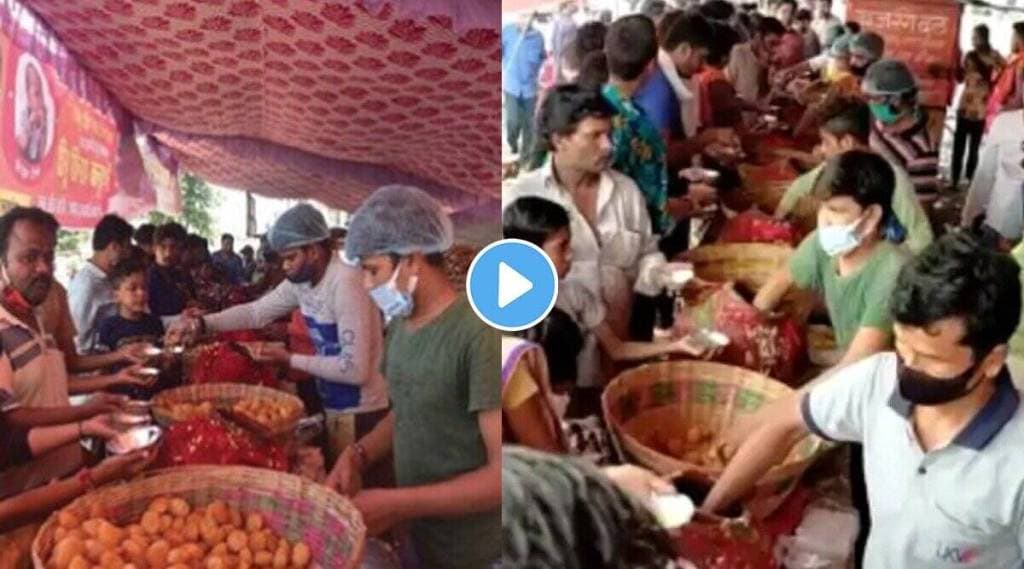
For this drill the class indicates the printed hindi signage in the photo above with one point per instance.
(923, 33)
(59, 151)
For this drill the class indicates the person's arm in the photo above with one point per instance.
(29, 417)
(769, 445)
(771, 294)
(44, 439)
(527, 422)
(257, 314)
(21, 508)
(838, 408)
(867, 342)
(78, 385)
(623, 351)
(359, 333)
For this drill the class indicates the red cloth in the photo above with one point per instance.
(211, 441)
(1004, 88)
(758, 227)
(229, 362)
(775, 348)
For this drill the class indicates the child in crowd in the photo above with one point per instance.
(133, 321)
(546, 225)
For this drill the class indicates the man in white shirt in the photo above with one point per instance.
(90, 295)
(614, 250)
(343, 323)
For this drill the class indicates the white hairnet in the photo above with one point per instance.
(399, 220)
(840, 47)
(833, 33)
(888, 77)
(868, 45)
(300, 225)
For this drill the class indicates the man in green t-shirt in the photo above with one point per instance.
(846, 125)
(848, 260)
(442, 366)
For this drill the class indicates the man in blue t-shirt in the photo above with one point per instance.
(522, 54)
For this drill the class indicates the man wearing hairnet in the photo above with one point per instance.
(442, 365)
(865, 49)
(899, 129)
(343, 324)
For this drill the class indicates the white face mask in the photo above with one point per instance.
(391, 301)
(838, 240)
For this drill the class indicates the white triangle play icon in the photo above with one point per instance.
(511, 285)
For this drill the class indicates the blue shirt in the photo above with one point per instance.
(659, 102)
(168, 289)
(521, 58)
(115, 329)
(231, 264)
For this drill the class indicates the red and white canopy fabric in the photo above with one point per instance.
(305, 98)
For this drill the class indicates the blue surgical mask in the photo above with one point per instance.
(839, 240)
(391, 301)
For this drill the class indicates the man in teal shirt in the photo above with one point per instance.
(442, 365)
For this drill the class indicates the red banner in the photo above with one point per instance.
(59, 152)
(923, 33)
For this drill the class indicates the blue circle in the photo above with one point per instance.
(526, 260)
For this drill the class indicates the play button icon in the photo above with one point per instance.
(512, 285)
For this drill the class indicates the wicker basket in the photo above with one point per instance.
(224, 396)
(674, 396)
(293, 507)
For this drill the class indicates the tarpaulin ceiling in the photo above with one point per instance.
(305, 98)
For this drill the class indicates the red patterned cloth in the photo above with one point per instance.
(775, 348)
(211, 441)
(229, 362)
(293, 98)
(757, 227)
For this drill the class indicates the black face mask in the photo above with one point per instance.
(304, 275)
(922, 389)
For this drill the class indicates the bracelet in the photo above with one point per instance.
(360, 454)
(85, 479)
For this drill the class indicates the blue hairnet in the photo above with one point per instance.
(840, 47)
(888, 77)
(398, 220)
(300, 225)
(868, 45)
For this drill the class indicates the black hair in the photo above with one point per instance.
(666, 23)
(847, 116)
(1018, 29)
(227, 236)
(781, 3)
(724, 38)
(631, 46)
(768, 26)
(170, 230)
(717, 10)
(533, 220)
(590, 38)
(862, 175)
(958, 277)
(593, 71)
(111, 229)
(803, 15)
(565, 107)
(144, 234)
(563, 512)
(983, 31)
(247, 249)
(29, 214)
(852, 27)
(125, 269)
(562, 341)
(691, 29)
(193, 241)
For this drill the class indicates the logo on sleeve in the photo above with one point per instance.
(962, 555)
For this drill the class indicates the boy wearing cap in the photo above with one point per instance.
(343, 324)
(442, 363)
(900, 129)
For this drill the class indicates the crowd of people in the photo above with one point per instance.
(412, 417)
(613, 131)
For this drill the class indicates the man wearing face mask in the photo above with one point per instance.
(900, 129)
(442, 363)
(845, 126)
(343, 324)
(849, 260)
(940, 420)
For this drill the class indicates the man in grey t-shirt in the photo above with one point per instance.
(940, 420)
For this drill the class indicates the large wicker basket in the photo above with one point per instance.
(224, 396)
(749, 264)
(293, 507)
(672, 397)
